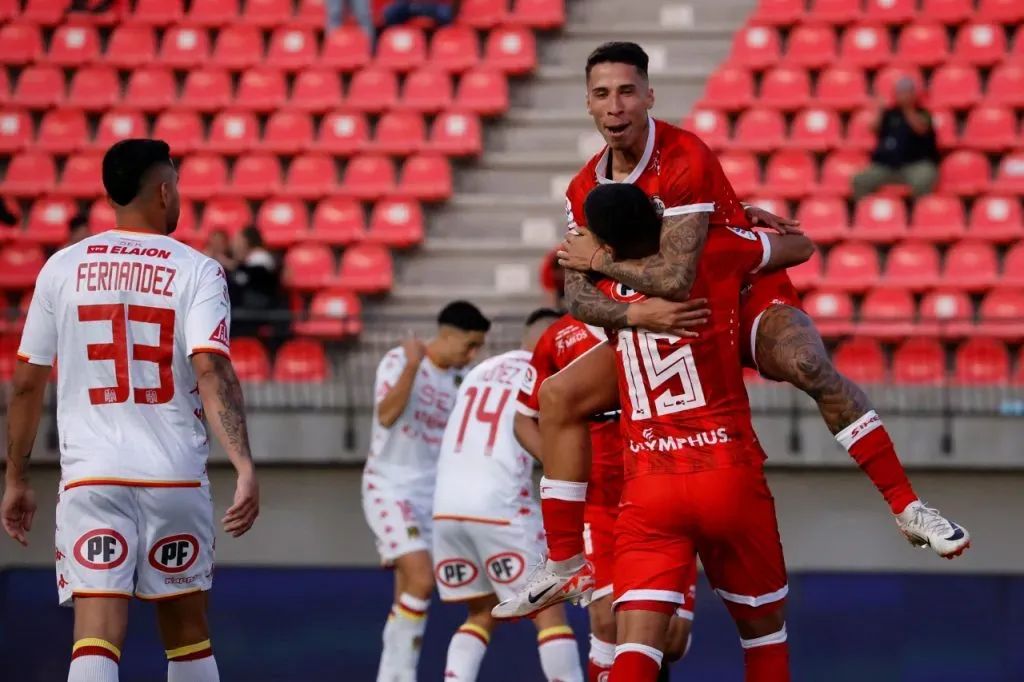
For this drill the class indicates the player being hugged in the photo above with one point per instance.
(414, 393)
(488, 536)
(139, 324)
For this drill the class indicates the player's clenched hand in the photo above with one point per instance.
(246, 507)
(669, 317)
(760, 217)
(578, 250)
(17, 511)
(414, 350)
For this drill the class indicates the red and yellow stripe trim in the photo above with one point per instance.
(474, 630)
(555, 632)
(131, 483)
(109, 594)
(166, 597)
(94, 646)
(408, 613)
(190, 652)
(472, 519)
(211, 349)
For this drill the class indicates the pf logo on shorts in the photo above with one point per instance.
(506, 567)
(456, 572)
(174, 554)
(101, 549)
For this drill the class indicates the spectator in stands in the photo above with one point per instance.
(78, 229)
(441, 11)
(218, 247)
(362, 9)
(552, 279)
(907, 153)
(254, 285)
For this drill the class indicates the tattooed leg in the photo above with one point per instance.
(789, 348)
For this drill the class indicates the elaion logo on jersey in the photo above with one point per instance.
(101, 549)
(174, 554)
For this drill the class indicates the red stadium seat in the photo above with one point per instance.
(367, 269)
(853, 266)
(202, 176)
(838, 169)
(791, 174)
(945, 125)
(880, 219)
(346, 49)
(816, 130)
(15, 131)
(256, 176)
(997, 219)
(891, 11)
(39, 87)
(369, 177)
(484, 14)
(807, 274)
(811, 46)
(912, 265)
(971, 265)
(743, 172)
(185, 47)
(981, 44)
(301, 361)
(967, 173)
(250, 360)
(710, 125)
(865, 46)
(316, 91)
(206, 90)
(19, 265)
(267, 13)
(779, 12)
(1006, 86)
(842, 87)
(483, 91)
(982, 361)
(824, 219)
(884, 84)
(456, 134)
(938, 218)
(283, 222)
(397, 223)
(23, 43)
(158, 12)
(955, 86)
(919, 362)
(948, 11)
(512, 49)
(5, 87)
(922, 44)
(887, 314)
(288, 132)
(9, 355)
(48, 220)
(131, 46)
(540, 14)
(860, 131)
(729, 88)
(373, 90)
(233, 132)
(292, 49)
(262, 89)
(991, 129)
(1010, 174)
(427, 178)
(832, 312)
(946, 314)
(1013, 267)
(338, 221)
(151, 89)
(101, 217)
(836, 11)
(62, 131)
(182, 130)
(213, 13)
(228, 214)
(1001, 314)
(311, 176)
(759, 130)
(333, 314)
(82, 176)
(343, 133)
(73, 45)
(785, 87)
(401, 48)
(756, 47)
(772, 204)
(454, 48)
(427, 90)
(1001, 11)
(43, 12)
(861, 360)
(29, 174)
(238, 47)
(309, 267)
(311, 14)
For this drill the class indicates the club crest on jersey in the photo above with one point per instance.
(620, 292)
(174, 554)
(529, 380)
(220, 334)
(746, 234)
(102, 549)
(456, 572)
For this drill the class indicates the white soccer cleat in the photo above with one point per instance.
(925, 527)
(546, 588)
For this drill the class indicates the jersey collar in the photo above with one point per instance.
(602, 163)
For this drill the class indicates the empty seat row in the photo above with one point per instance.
(483, 91)
(893, 12)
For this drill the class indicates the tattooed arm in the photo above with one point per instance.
(224, 406)
(27, 390)
(587, 304)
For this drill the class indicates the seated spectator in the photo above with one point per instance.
(362, 9)
(440, 11)
(552, 280)
(78, 229)
(254, 285)
(218, 247)
(907, 153)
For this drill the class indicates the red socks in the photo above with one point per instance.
(870, 446)
(766, 659)
(562, 504)
(636, 663)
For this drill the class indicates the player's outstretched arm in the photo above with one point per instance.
(787, 250)
(28, 388)
(527, 433)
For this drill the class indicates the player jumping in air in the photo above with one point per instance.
(488, 534)
(683, 177)
(139, 326)
(414, 393)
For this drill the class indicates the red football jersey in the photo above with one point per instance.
(684, 404)
(563, 342)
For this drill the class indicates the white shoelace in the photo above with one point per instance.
(931, 521)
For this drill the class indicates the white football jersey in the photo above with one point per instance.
(406, 452)
(483, 473)
(122, 312)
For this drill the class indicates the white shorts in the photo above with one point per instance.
(474, 559)
(120, 541)
(400, 520)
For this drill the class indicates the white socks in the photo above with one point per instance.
(466, 653)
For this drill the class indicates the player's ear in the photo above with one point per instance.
(165, 195)
(650, 98)
(586, 99)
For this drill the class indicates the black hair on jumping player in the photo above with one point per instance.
(542, 314)
(465, 316)
(619, 53)
(127, 162)
(623, 217)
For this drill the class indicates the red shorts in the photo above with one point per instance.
(762, 292)
(599, 545)
(727, 516)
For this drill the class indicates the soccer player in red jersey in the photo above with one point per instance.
(562, 344)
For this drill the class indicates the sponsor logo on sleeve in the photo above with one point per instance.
(220, 334)
(529, 380)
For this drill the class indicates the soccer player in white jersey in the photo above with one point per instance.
(414, 393)
(138, 324)
(489, 535)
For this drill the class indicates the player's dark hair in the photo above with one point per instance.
(542, 314)
(619, 53)
(127, 162)
(465, 316)
(622, 216)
